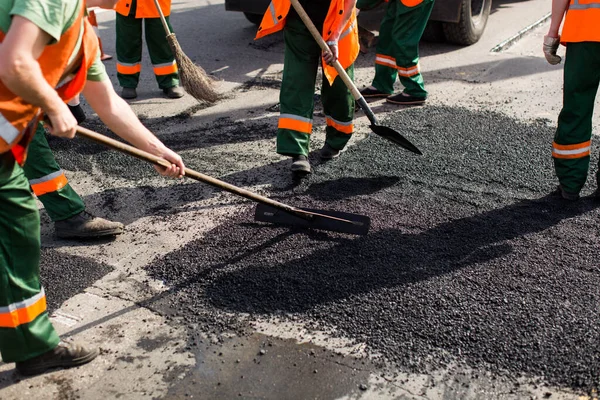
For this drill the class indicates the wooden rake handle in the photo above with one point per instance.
(151, 158)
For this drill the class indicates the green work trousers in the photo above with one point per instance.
(572, 140)
(301, 62)
(129, 50)
(25, 329)
(48, 180)
(398, 48)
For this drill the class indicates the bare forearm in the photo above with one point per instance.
(23, 77)
(559, 7)
(348, 8)
(119, 117)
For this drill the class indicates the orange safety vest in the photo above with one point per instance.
(144, 8)
(18, 119)
(582, 22)
(274, 20)
(411, 3)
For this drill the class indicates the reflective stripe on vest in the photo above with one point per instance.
(8, 133)
(295, 123)
(344, 127)
(578, 150)
(23, 312)
(581, 22)
(49, 183)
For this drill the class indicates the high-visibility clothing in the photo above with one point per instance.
(144, 9)
(301, 62)
(25, 328)
(48, 181)
(572, 141)
(53, 62)
(398, 47)
(129, 49)
(275, 19)
(582, 22)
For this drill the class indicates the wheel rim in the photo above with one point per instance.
(477, 8)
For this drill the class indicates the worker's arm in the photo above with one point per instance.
(21, 73)
(330, 57)
(552, 39)
(559, 7)
(119, 117)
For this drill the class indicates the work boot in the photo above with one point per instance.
(567, 195)
(372, 92)
(78, 113)
(174, 92)
(65, 355)
(129, 93)
(328, 152)
(300, 164)
(85, 225)
(406, 99)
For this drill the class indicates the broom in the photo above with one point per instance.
(193, 78)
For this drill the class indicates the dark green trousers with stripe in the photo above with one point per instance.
(399, 36)
(581, 81)
(25, 329)
(301, 64)
(41, 166)
(129, 47)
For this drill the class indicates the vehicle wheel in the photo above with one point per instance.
(256, 19)
(434, 32)
(473, 18)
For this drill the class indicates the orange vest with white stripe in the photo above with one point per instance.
(582, 22)
(144, 8)
(18, 119)
(274, 21)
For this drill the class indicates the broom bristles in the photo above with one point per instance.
(193, 78)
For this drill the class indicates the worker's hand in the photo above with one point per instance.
(62, 123)
(177, 169)
(550, 47)
(330, 56)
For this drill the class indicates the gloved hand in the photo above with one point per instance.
(550, 47)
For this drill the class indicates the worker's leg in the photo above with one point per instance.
(571, 147)
(129, 49)
(25, 329)
(385, 63)
(163, 61)
(302, 58)
(338, 106)
(48, 180)
(407, 32)
(62, 203)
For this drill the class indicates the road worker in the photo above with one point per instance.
(337, 20)
(130, 15)
(572, 141)
(398, 51)
(46, 45)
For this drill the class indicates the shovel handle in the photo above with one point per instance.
(336, 64)
(151, 158)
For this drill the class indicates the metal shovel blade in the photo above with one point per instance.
(392, 135)
(335, 221)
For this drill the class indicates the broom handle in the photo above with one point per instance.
(336, 64)
(162, 18)
(151, 158)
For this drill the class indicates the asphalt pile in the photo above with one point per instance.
(63, 276)
(471, 259)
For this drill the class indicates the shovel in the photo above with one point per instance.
(383, 131)
(268, 210)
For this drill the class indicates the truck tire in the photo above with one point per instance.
(256, 19)
(473, 18)
(434, 32)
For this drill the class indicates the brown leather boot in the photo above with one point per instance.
(85, 225)
(65, 355)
